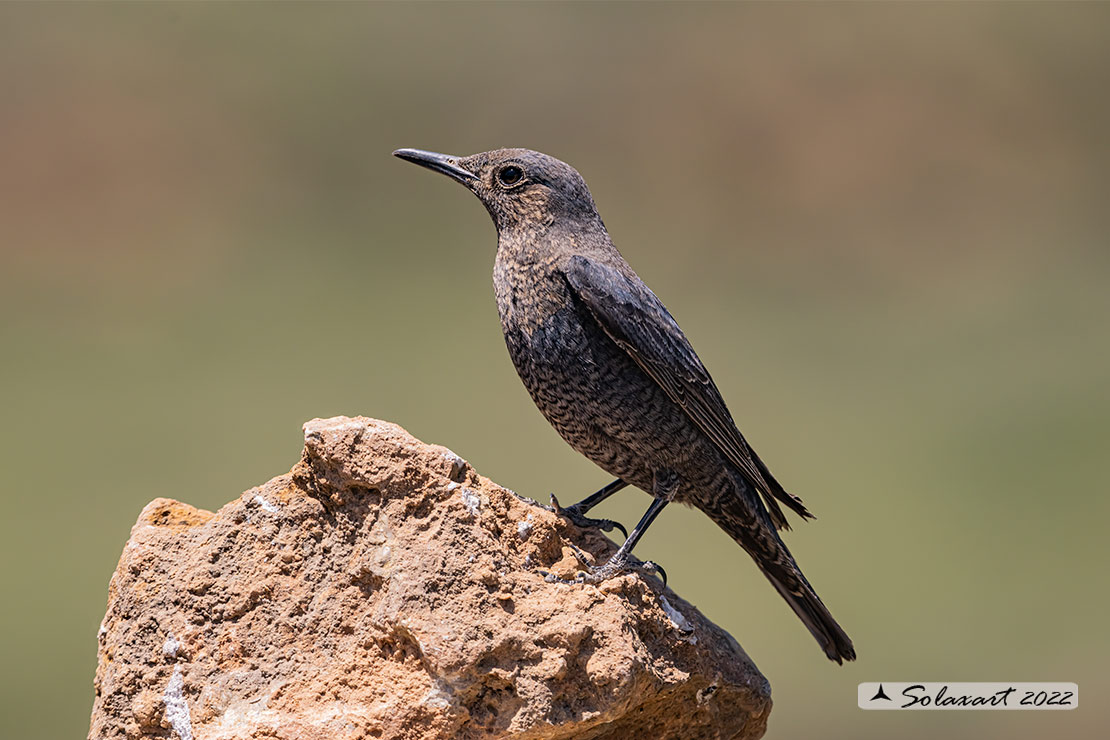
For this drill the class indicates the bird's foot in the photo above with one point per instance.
(616, 565)
(576, 517)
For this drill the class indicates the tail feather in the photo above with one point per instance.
(743, 517)
(778, 492)
(816, 617)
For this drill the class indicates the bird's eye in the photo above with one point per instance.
(510, 175)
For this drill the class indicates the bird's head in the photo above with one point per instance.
(519, 187)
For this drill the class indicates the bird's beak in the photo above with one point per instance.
(442, 163)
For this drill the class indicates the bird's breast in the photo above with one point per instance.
(574, 372)
(559, 360)
(587, 387)
(528, 295)
(545, 329)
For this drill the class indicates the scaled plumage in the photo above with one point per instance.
(611, 370)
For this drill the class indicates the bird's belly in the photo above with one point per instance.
(598, 399)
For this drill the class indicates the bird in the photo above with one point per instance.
(612, 372)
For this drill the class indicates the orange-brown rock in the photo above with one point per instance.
(383, 589)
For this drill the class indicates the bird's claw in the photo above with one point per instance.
(614, 567)
(653, 567)
(573, 514)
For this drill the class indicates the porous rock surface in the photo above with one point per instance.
(384, 589)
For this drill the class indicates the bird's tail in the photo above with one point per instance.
(816, 617)
(757, 535)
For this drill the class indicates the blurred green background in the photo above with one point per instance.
(884, 227)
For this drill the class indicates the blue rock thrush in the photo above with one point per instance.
(610, 369)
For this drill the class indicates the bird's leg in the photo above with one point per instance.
(577, 512)
(620, 562)
(665, 486)
(583, 506)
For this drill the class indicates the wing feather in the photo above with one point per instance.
(641, 325)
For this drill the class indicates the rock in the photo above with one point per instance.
(383, 589)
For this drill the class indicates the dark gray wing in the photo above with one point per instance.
(641, 325)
